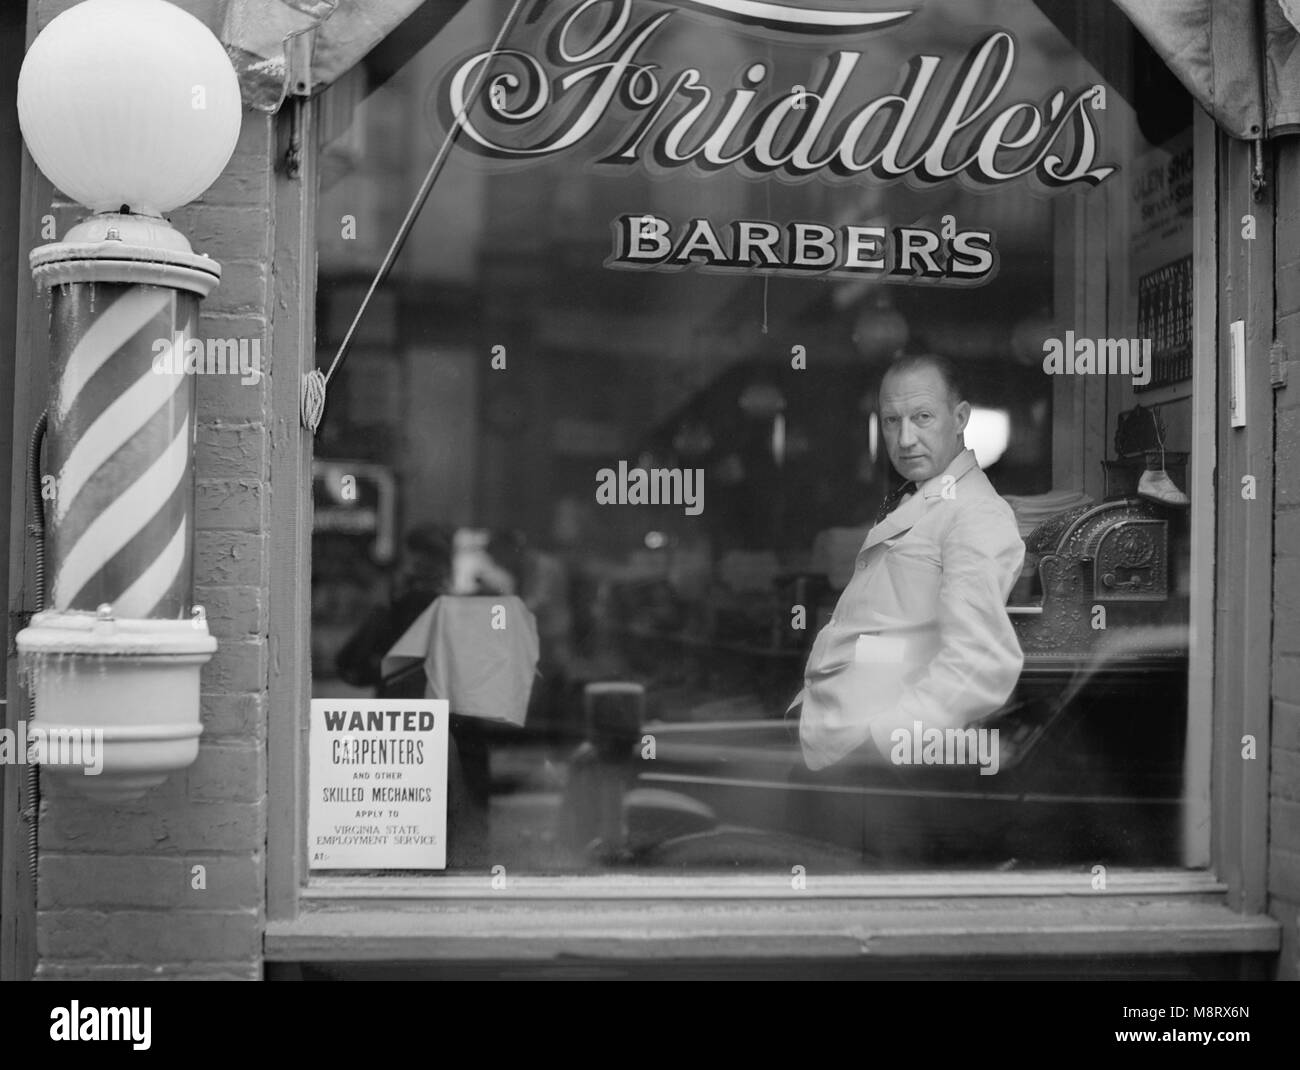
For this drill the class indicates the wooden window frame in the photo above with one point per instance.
(1047, 914)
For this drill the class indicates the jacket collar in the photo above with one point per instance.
(907, 514)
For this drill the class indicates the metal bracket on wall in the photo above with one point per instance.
(298, 51)
(1277, 365)
(293, 154)
(1258, 179)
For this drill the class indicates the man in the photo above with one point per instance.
(424, 575)
(921, 631)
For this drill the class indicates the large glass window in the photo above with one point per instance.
(630, 381)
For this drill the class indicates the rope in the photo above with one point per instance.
(314, 383)
(313, 398)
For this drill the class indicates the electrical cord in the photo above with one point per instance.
(37, 529)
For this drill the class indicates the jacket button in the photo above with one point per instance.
(861, 564)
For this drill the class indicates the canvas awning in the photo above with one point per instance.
(1239, 58)
(259, 36)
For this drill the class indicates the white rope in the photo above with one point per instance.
(313, 399)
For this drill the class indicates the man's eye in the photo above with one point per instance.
(923, 418)
(890, 421)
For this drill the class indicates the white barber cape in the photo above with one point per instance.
(921, 631)
(479, 652)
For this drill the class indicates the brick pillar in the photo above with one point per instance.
(173, 885)
(1284, 756)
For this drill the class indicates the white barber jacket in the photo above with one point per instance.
(921, 632)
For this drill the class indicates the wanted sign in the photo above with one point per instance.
(378, 784)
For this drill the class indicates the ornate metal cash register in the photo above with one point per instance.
(1107, 580)
(1104, 571)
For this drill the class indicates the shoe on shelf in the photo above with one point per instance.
(1156, 486)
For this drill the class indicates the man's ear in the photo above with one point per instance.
(962, 415)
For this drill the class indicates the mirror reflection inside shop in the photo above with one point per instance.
(600, 474)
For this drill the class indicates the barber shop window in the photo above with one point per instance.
(773, 439)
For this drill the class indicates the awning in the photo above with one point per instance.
(1239, 58)
(260, 35)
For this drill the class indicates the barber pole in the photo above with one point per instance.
(122, 444)
(120, 526)
(131, 108)
(121, 431)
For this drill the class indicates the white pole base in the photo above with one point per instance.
(117, 701)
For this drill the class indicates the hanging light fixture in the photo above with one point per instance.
(880, 331)
(693, 438)
(761, 401)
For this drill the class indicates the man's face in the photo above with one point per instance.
(923, 430)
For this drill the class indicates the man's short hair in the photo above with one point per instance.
(948, 372)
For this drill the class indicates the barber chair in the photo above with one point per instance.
(605, 817)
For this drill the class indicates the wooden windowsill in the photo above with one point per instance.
(664, 918)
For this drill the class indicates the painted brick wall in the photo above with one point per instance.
(116, 892)
(1284, 758)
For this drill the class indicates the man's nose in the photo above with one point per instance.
(906, 433)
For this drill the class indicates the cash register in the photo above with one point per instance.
(1107, 577)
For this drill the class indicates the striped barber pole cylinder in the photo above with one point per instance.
(121, 430)
(121, 449)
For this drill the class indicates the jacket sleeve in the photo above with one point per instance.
(979, 658)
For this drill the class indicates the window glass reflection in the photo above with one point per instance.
(635, 380)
